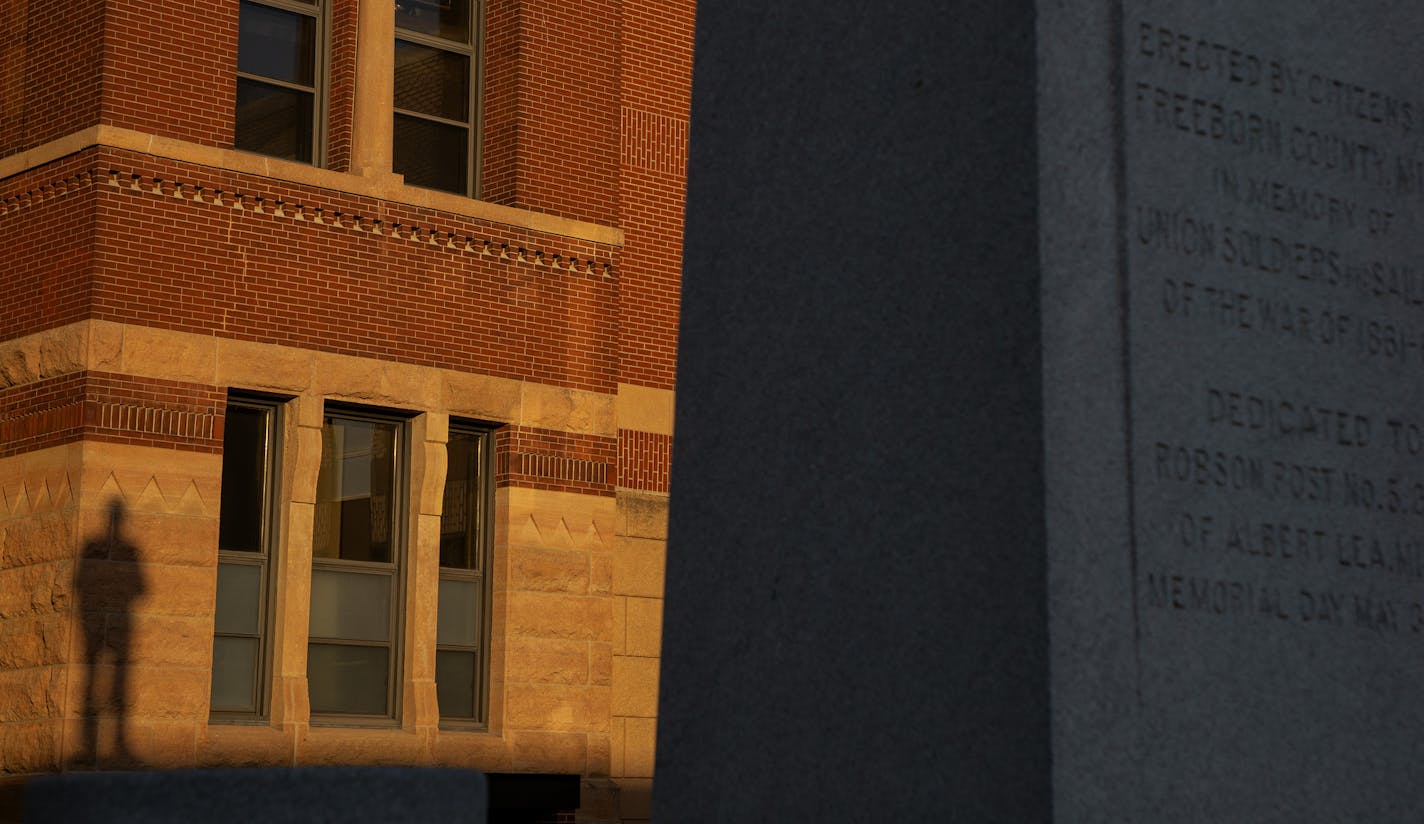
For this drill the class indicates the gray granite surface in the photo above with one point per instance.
(321, 795)
(1050, 415)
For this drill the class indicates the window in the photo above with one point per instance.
(356, 562)
(278, 77)
(245, 538)
(436, 93)
(462, 621)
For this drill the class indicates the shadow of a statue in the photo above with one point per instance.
(107, 581)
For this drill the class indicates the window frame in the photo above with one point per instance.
(320, 12)
(266, 560)
(475, 51)
(396, 569)
(483, 536)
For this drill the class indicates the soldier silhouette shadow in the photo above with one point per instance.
(107, 581)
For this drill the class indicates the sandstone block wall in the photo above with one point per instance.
(151, 268)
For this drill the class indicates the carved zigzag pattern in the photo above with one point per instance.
(35, 495)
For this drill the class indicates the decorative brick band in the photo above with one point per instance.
(317, 215)
(644, 460)
(103, 406)
(655, 142)
(558, 461)
(47, 191)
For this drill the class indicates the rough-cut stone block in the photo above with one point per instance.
(109, 586)
(158, 537)
(31, 746)
(599, 757)
(566, 410)
(635, 686)
(548, 752)
(645, 626)
(162, 744)
(645, 409)
(34, 642)
(31, 694)
(64, 350)
(152, 692)
(548, 570)
(617, 737)
(354, 379)
(638, 565)
(642, 514)
(338, 745)
(600, 573)
(20, 361)
(243, 745)
(556, 707)
(465, 747)
(620, 624)
(29, 590)
(157, 353)
(600, 663)
(249, 365)
(541, 660)
(37, 539)
(552, 615)
(106, 346)
(164, 640)
(413, 386)
(640, 747)
(481, 396)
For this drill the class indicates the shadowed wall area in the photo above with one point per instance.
(107, 581)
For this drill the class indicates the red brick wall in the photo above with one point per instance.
(644, 460)
(446, 291)
(47, 231)
(102, 406)
(50, 58)
(551, 107)
(560, 461)
(168, 68)
(341, 85)
(655, 95)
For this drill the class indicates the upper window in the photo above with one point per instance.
(461, 632)
(436, 94)
(352, 650)
(245, 541)
(278, 78)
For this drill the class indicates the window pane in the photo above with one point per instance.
(455, 683)
(239, 586)
(442, 18)
(433, 155)
(234, 674)
(432, 81)
(277, 44)
(244, 470)
(274, 121)
(457, 621)
(355, 501)
(350, 605)
(457, 517)
(347, 679)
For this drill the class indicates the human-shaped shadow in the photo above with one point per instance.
(106, 584)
